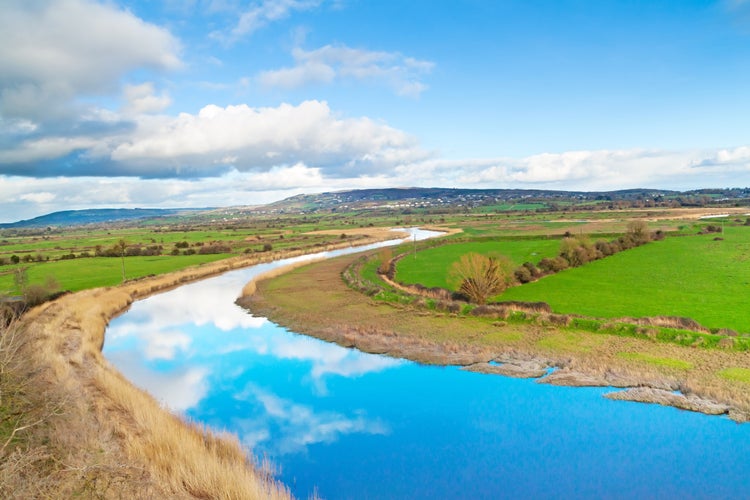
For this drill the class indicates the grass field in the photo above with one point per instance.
(430, 267)
(736, 374)
(692, 276)
(677, 364)
(80, 274)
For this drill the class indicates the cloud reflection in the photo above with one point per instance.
(178, 390)
(287, 427)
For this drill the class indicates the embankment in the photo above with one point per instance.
(296, 301)
(100, 436)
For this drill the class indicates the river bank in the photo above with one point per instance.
(98, 435)
(691, 376)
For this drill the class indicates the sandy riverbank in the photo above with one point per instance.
(579, 358)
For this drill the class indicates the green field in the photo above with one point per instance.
(430, 267)
(691, 276)
(80, 274)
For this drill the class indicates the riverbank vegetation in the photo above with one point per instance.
(585, 351)
(654, 263)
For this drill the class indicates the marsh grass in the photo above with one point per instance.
(736, 374)
(656, 360)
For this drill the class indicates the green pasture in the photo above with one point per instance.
(430, 267)
(510, 207)
(677, 364)
(736, 374)
(691, 276)
(80, 274)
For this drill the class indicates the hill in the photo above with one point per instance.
(94, 216)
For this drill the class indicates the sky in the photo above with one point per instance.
(208, 103)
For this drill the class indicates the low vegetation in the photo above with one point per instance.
(736, 374)
(656, 360)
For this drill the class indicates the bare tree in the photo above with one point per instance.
(120, 247)
(480, 277)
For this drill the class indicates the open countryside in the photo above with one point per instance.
(332, 249)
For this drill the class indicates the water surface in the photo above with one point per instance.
(353, 425)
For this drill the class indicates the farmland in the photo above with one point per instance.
(697, 276)
(704, 277)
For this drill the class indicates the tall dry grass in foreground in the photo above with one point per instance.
(73, 426)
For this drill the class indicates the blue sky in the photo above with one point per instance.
(225, 102)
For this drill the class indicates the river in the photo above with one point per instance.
(346, 424)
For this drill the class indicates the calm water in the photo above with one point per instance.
(353, 425)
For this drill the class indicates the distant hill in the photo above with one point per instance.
(446, 197)
(405, 199)
(93, 216)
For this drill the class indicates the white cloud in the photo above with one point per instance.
(141, 99)
(263, 13)
(261, 138)
(324, 65)
(38, 197)
(55, 51)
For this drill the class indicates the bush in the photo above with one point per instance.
(523, 275)
(479, 277)
(553, 265)
(214, 249)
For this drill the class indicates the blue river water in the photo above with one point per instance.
(346, 424)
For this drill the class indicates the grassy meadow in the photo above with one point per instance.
(694, 276)
(430, 267)
(69, 256)
(81, 274)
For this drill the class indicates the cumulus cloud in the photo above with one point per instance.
(55, 51)
(247, 138)
(328, 63)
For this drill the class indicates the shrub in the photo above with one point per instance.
(214, 249)
(523, 275)
(553, 265)
(479, 277)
